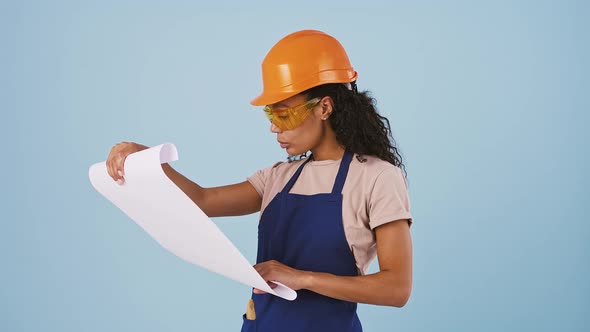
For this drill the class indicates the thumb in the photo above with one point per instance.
(258, 291)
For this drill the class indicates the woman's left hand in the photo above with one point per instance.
(276, 271)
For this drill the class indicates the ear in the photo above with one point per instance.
(327, 106)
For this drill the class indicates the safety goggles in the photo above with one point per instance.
(292, 117)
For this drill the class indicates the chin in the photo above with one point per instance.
(294, 151)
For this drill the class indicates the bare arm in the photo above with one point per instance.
(232, 200)
(390, 286)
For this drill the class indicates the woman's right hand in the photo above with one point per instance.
(117, 156)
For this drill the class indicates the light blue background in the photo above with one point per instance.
(488, 102)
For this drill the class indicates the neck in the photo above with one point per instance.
(329, 149)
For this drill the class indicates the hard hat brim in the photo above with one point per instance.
(326, 77)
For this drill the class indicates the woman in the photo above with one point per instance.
(324, 217)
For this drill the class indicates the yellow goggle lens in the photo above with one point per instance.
(290, 118)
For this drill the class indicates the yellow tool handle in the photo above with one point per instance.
(250, 312)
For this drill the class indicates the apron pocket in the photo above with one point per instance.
(248, 325)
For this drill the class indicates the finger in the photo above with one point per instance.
(264, 272)
(113, 167)
(119, 162)
(112, 162)
(259, 267)
(109, 163)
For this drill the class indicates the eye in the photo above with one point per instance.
(282, 115)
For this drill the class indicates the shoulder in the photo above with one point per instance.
(387, 191)
(373, 166)
(375, 172)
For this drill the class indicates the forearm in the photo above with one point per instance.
(390, 286)
(231, 200)
(381, 288)
(195, 192)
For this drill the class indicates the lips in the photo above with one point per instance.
(283, 144)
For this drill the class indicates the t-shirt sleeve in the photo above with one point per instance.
(260, 178)
(389, 200)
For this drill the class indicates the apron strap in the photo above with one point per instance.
(342, 172)
(295, 176)
(340, 177)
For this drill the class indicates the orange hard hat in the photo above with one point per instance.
(300, 61)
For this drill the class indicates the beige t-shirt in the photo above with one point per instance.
(375, 193)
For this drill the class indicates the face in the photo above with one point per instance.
(306, 136)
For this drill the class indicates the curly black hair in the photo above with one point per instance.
(357, 124)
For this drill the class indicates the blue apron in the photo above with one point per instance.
(306, 232)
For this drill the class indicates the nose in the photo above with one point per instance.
(274, 129)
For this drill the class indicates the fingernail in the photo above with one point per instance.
(120, 181)
(120, 173)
